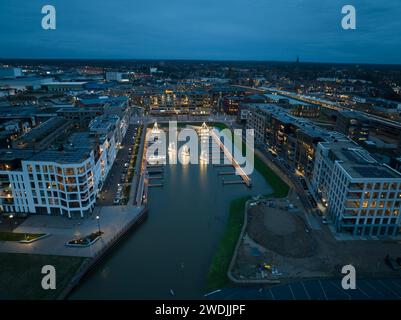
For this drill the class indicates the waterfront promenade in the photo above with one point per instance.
(112, 220)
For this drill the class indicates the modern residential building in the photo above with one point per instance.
(63, 178)
(42, 136)
(231, 105)
(293, 139)
(353, 124)
(296, 108)
(80, 116)
(363, 197)
(258, 117)
(180, 102)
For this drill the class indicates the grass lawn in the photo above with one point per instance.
(217, 275)
(21, 277)
(13, 236)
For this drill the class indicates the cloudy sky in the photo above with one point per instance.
(203, 29)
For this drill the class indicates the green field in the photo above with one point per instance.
(217, 275)
(13, 236)
(20, 275)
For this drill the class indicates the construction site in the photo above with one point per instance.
(277, 246)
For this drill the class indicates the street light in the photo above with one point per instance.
(98, 222)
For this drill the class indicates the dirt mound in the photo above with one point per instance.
(280, 231)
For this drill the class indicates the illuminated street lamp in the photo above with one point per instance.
(98, 222)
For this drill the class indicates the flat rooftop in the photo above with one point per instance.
(42, 131)
(77, 147)
(64, 83)
(277, 97)
(309, 128)
(358, 162)
(104, 122)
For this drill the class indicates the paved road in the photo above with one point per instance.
(109, 190)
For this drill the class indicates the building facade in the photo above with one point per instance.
(63, 179)
(363, 197)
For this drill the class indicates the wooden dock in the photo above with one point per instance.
(223, 165)
(155, 177)
(155, 171)
(234, 182)
(151, 166)
(234, 162)
(155, 185)
(226, 173)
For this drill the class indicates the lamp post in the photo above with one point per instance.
(98, 222)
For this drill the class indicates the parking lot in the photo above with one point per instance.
(114, 181)
(329, 289)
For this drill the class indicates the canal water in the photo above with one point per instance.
(173, 248)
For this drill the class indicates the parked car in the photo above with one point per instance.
(116, 201)
(126, 165)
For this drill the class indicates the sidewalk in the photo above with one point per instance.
(112, 220)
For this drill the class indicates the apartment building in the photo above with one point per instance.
(65, 177)
(295, 107)
(258, 117)
(291, 138)
(180, 102)
(43, 135)
(363, 197)
(353, 124)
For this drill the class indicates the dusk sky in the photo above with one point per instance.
(203, 29)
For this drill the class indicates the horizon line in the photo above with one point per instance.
(202, 60)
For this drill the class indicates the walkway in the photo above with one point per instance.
(112, 221)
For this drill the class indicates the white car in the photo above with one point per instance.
(324, 220)
(126, 165)
(116, 201)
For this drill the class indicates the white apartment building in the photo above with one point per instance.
(363, 197)
(66, 181)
